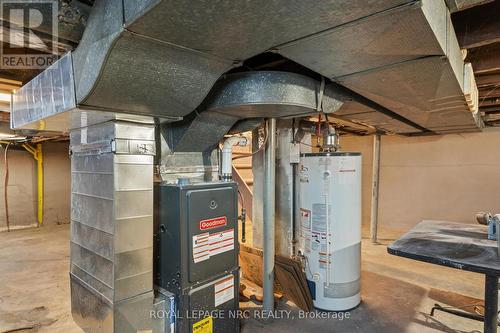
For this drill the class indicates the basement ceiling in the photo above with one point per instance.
(387, 51)
(478, 31)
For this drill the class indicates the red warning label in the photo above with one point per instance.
(207, 245)
(213, 223)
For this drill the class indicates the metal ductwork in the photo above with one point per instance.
(363, 114)
(406, 59)
(271, 94)
(111, 227)
(369, 47)
(107, 75)
(188, 46)
(187, 146)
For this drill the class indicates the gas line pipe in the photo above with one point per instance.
(37, 154)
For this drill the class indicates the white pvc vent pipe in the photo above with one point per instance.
(227, 156)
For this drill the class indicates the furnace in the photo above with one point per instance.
(196, 251)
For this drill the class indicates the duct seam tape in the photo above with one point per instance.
(83, 121)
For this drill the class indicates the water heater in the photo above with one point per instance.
(330, 227)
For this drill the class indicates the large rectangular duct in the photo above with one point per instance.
(362, 114)
(112, 227)
(406, 58)
(49, 103)
(240, 29)
(378, 40)
(426, 91)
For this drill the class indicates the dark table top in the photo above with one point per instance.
(457, 245)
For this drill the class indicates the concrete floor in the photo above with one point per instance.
(397, 293)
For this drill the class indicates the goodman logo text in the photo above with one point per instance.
(213, 223)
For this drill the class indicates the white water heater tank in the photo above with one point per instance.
(330, 227)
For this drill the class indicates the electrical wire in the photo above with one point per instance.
(255, 152)
(241, 198)
(306, 144)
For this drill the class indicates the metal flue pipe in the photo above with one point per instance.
(269, 216)
(375, 188)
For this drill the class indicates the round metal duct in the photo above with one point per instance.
(269, 94)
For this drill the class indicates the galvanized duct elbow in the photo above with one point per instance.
(255, 95)
(238, 101)
(115, 71)
(271, 94)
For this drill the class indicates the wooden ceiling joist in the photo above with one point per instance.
(490, 93)
(489, 102)
(493, 108)
(485, 59)
(478, 26)
(487, 80)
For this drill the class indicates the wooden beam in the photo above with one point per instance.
(22, 75)
(487, 91)
(11, 82)
(489, 94)
(491, 116)
(487, 80)
(8, 87)
(458, 5)
(485, 59)
(4, 106)
(477, 26)
(495, 101)
(487, 109)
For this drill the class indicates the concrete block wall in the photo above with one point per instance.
(22, 186)
(448, 177)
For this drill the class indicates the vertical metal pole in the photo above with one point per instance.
(39, 163)
(490, 304)
(375, 187)
(295, 211)
(37, 153)
(269, 216)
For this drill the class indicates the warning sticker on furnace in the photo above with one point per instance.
(207, 244)
(201, 247)
(224, 290)
(203, 326)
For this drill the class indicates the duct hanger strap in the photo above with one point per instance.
(116, 146)
(91, 148)
(133, 147)
(319, 105)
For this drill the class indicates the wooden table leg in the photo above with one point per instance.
(490, 304)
